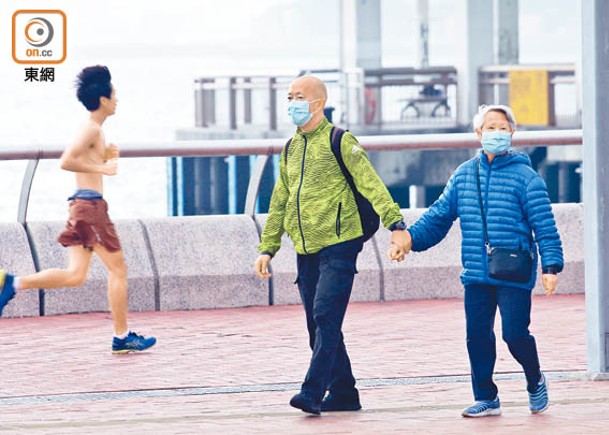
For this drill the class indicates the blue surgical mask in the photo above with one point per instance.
(298, 111)
(496, 142)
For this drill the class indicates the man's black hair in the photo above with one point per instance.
(93, 83)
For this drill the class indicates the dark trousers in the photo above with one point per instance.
(325, 280)
(481, 302)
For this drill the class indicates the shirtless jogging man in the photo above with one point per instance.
(89, 228)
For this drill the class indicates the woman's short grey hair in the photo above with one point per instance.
(478, 120)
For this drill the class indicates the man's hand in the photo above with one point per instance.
(549, 281)
(262, 266)
(395, 253)
(110, 167)
(401, 244)
(111, 152)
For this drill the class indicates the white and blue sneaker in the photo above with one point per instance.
(483, 408)
(539, 400)
(132, 343)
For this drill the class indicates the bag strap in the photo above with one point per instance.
(336, 137)
(486, 242)
(286, 148)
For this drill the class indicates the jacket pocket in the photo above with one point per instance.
(340, 204)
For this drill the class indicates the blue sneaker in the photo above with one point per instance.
(538, 400)
(132, 343)
(483, 408)
(8, 292)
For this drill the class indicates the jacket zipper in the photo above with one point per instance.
(338, 220)
(485, 203)
(304, 154)
(488, 178)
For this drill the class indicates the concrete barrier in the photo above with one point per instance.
(16, 258)
(366, 287)
(435, 273)
(206, 262)
(424, 275)
(92, 296)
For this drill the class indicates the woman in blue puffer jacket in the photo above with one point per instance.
(516, 207)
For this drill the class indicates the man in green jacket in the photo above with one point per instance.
(313, 202)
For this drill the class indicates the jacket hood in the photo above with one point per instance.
(510, 158)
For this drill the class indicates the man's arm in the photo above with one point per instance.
(370, 185)
(75, 157)
(368, 182)
(273, 230)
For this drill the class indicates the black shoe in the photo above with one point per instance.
(333, 402)
(306, 404)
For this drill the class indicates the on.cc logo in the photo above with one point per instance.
(39, 32)
(39, 36)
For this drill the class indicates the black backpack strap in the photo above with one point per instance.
(286, 148)
(336, 137)
(368, 216)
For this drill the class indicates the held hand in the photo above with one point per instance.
(549, 281)
(395, 253)
(401, 244)
(402, 238)
(262, 266)
(111, 152)
(110, 167)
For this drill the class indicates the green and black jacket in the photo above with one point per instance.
(312, 200)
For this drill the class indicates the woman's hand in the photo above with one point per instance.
(549, 281)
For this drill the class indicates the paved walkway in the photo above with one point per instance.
(234, 371)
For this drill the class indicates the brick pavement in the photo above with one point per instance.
(234, 370)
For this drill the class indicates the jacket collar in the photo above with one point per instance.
(322, 124)
(503, 160)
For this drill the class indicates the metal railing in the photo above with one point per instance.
(371, 100)
(255, 99)
(264, 148)
(407, 95)
(371, 97)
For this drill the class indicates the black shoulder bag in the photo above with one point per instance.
(503, 263)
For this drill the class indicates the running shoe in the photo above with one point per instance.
(8, 291)
(132, 343)
(483, 408)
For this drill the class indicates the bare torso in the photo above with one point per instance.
(89, 157)
(94, 155)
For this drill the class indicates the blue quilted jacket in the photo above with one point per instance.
(517, 206)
